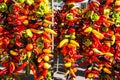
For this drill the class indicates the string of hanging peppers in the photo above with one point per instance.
(25, 41)
(85, 37)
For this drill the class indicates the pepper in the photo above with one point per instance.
(3, 7)
(13, 53)
(47, 51)
(36, 31)
(47, 36)
(64, 41)
(77, 56)
(47, 21)
(72, 73)
(3, 71)
(20, 1)
(34, 71)
(88, 30)
(40, 65)
(21, 67)
(94, 17)
(11, 67)
(29, 2)
(48, 30)
(69, 16)
(106, 70)
(98, 34)
(46, 65)
(44, 73)
(68, 64)
(28, 33)
(75, 43)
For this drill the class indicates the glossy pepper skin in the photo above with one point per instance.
(24, 39)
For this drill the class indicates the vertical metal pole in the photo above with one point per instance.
(52, 25)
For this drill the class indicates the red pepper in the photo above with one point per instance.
(71, 30)
(18, 43)
(47, 36)
(21, 66)
(3, 71)
(108, 2)
(40, 65)
(118, 29)
(1, 29)
(33, 25)
(102, 19)
(77, 56)
(47, 46)
(108, 34)
(90, 53)
(64, 50)
(93, 7)
(19, 28)
(105, 48)
(6, 40)
(5, 64)
(34, 71)
(95, 58)
(84, 63)
(44, 72)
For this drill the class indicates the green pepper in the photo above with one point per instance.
(72, 36)
(62, 24)
(95, 17)
(20, 1)
(106, 12)
(79, 11)
(67, 36)
(29, 2)
(87, 42)
(29, 33)
(39, 13)
(3, 7)
(105, 29)
(69, 16)
(116, 17)
(49, 74)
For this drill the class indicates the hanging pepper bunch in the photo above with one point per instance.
(25, 41)
(97, 36)
(65, 20)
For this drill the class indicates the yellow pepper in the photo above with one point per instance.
(106, 70)
(98, 34)
(50, 31)
(48, 51)
(68, 64)
(75, 43)
(88, 30)
(13, 53)
(64, 41)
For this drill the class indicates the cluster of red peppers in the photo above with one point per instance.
(25, 39)
(95, 35)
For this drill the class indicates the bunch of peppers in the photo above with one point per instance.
(98, 36)
(25, 39)
(65, 20)
(96, 29)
